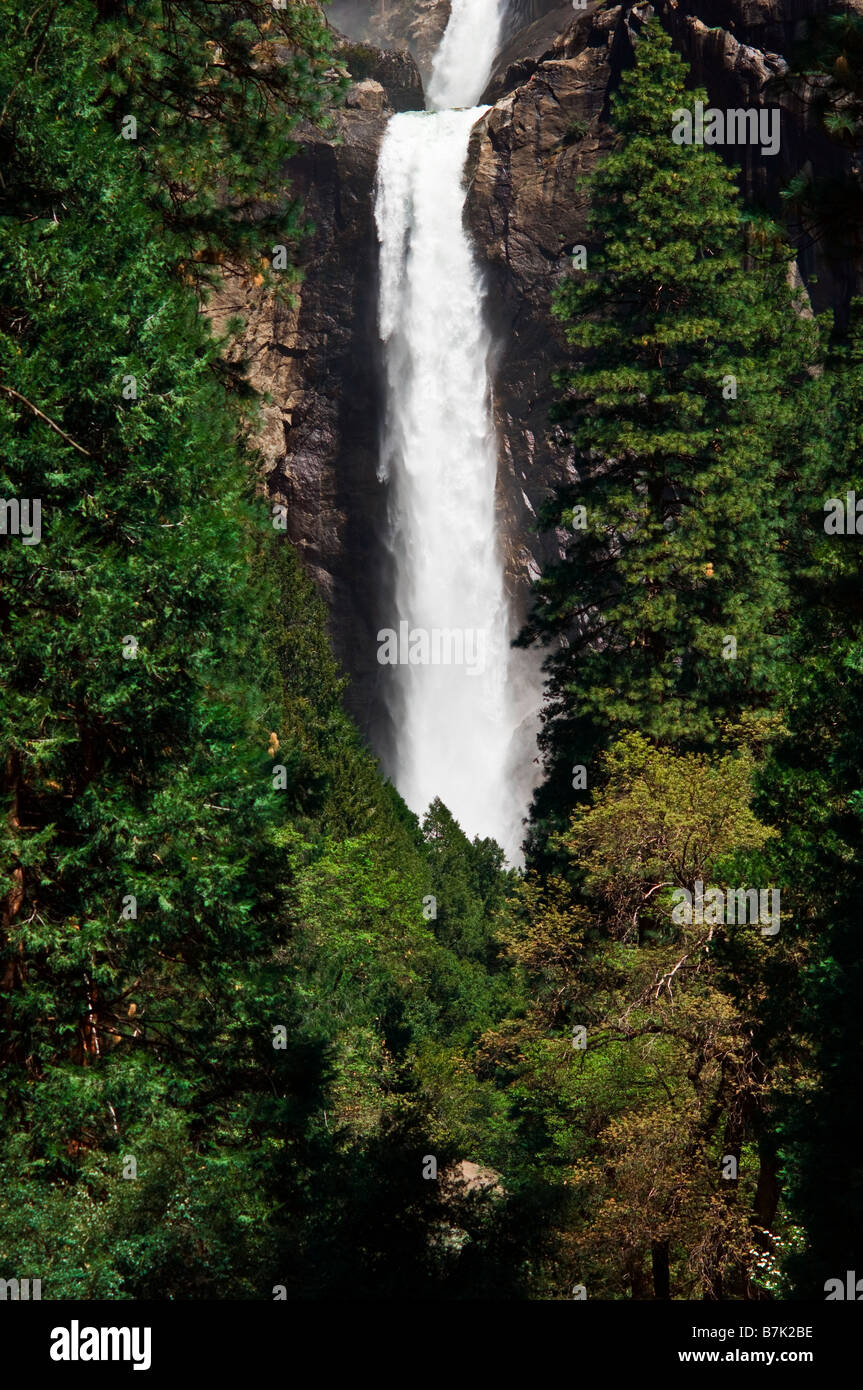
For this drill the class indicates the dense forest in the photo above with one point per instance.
(265, 1032)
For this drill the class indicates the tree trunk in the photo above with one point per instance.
(661, 1269)
(636, 1273)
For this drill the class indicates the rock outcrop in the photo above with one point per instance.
(417, 25)
(395, 71)
(739, 50)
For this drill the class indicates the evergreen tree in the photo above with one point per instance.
(214, 966)
(662, 614)
(138, 983)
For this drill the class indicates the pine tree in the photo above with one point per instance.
(662, 614)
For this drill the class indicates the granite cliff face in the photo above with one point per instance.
(524, 209)
(317, 363)
(547, 125)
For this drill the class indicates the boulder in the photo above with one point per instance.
(366, 96)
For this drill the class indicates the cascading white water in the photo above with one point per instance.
(467, 50)
(461, 703)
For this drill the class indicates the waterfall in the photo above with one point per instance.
(463, 702)
(467, 50)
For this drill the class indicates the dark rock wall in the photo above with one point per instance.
(738, 50)
(525, 213)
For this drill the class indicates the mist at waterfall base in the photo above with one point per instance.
(465, 729)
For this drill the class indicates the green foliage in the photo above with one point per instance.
(131, 769)
(235, 1084)
(812, 785)
(661, 822)
(689, 344)
(216, 93)
(248, 1029)
(632, 1121)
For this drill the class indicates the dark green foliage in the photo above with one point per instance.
(688, 345)
(234, 1083)
(172, 730)
(134, 754)
(813, 786)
